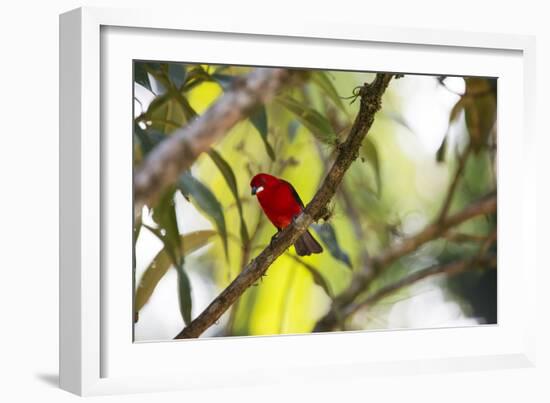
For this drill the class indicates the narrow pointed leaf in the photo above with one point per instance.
(480, 110)
(177, 74)
(457, 108)
(455, 111)
(163, 109)
(140, 75)
(323, 80)
(162, 262)
(231, 181)
(441, 151)
(184, 295)
(371, 154)
(293, 127)
(259, 121)
(135, 236)
(195, 76)
(145, 142)
(206, 201)
(164, 214)
(148, 138)
(316, 123)
(224, 80)
(317, 276)
(328, 235)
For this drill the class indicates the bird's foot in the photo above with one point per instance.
(274, 237)
(295, 219)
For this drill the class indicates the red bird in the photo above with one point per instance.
(281, 204)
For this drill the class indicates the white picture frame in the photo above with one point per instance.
(96, 354)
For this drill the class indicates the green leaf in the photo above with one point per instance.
(148, 139)
(322, 79)
(171, 109)
(371, 154)
(160, 83)
(317, 276)
(316, 123)
(188, 110)
(174, 89)
(162, 262)
(184, 295)
(328, 235)
(195, 77)
(205, 201)
(480, 110)
(231, 181)
(135, 235)
(145, 142)
(293, 127)
(164, 214)
(442, 150)
(259, 121)
(153, 70)
(224, 80)
(157, 103)
(455, 111)
(457, 108)
(140, 75)
(177, 74)
(163, 109)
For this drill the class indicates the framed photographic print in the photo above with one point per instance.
(236, 200)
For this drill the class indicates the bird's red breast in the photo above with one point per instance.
(277, 198)
(281, 204)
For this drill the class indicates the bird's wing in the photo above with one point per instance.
(294, 193)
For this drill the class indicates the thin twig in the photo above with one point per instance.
(481, 258)
(460, 237)
(451, 268)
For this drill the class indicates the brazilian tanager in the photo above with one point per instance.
(281, 204)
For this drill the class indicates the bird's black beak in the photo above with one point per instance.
(254, 189)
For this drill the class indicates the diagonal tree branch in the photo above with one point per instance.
(361, 280)
(347, 152)
(177, 153)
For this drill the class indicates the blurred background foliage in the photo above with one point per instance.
(205, 228)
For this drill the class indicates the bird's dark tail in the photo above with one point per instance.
(306, 245)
